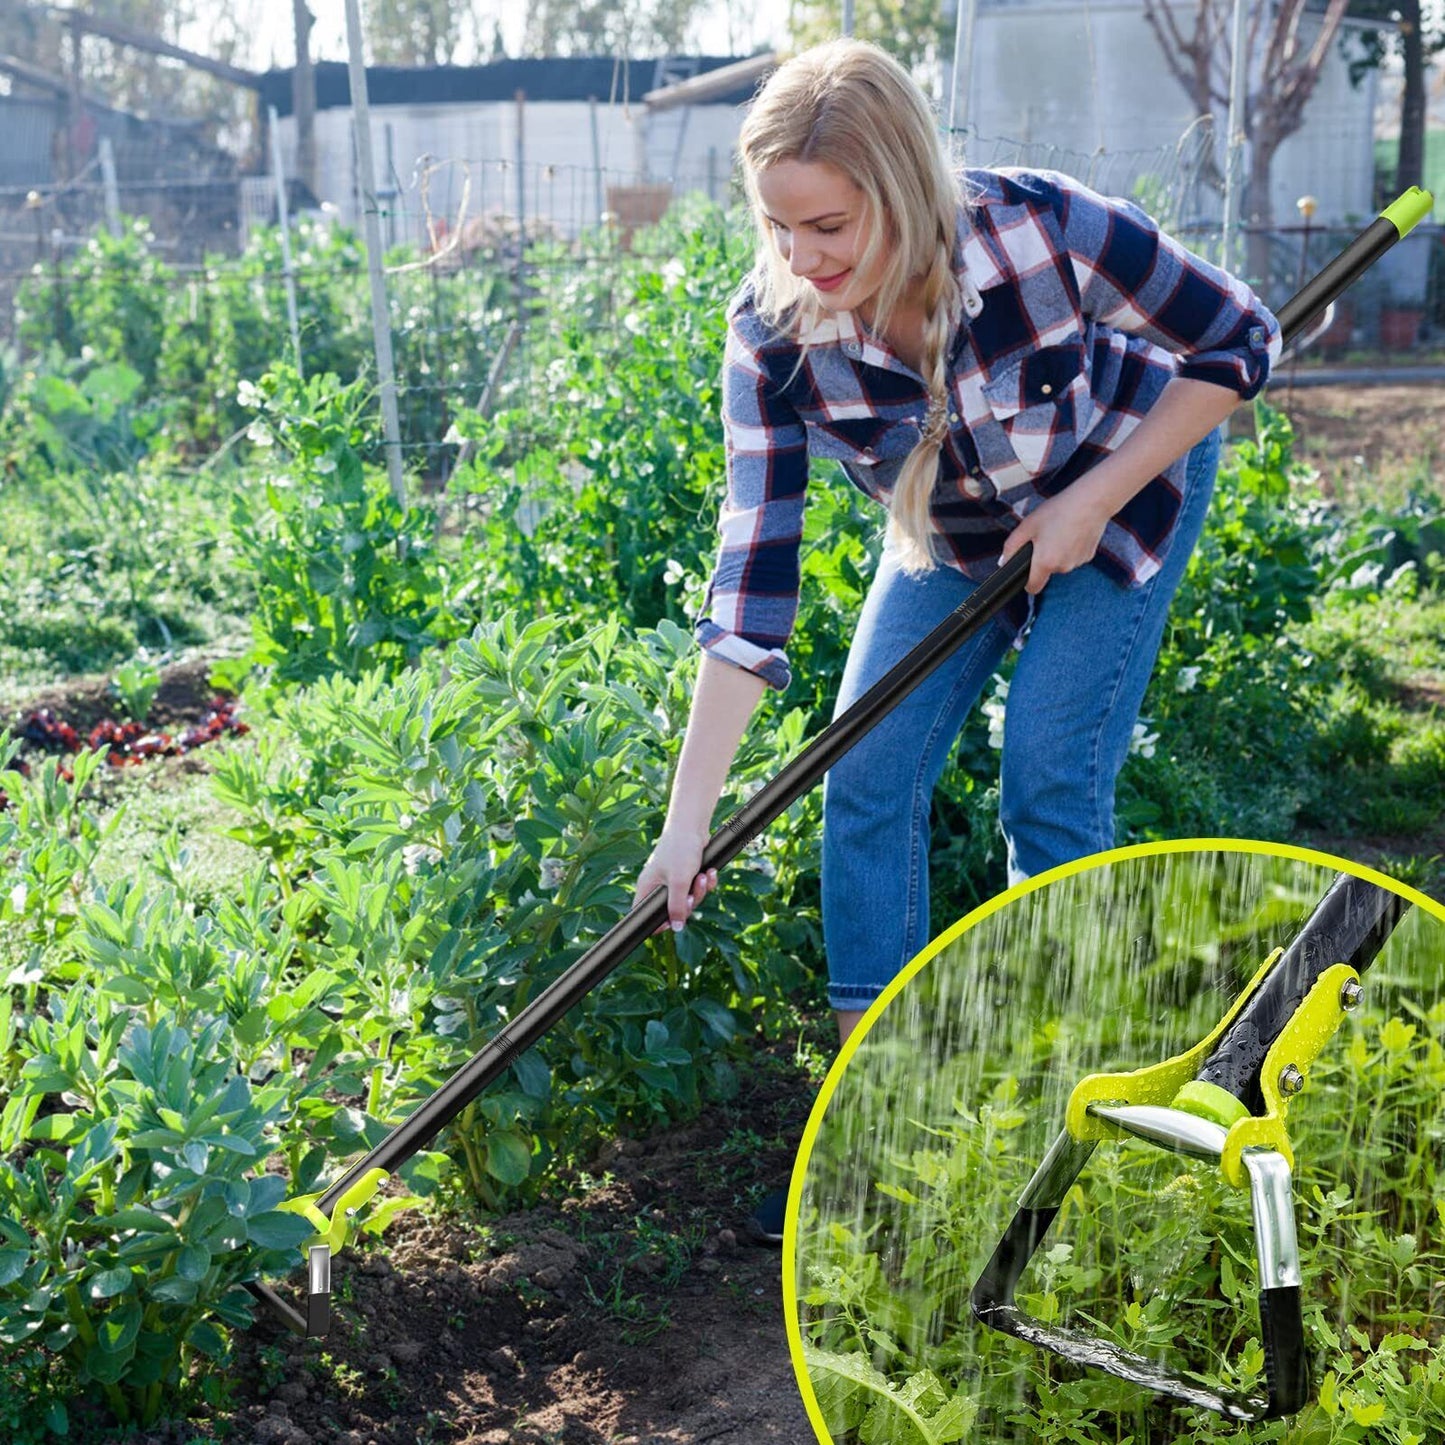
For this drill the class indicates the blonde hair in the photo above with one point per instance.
(852, 106)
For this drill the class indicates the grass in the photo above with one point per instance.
(91, 570)
(169, 803)
(953, 1096)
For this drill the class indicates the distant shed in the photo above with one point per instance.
(580, 131)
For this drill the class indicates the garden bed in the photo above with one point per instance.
(630, 1309)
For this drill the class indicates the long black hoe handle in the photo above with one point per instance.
(981, 606)
(969, 618)
(1349, 925)
(986, 601)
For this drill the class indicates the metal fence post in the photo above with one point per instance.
(380, 313)
(108, 182)
(287, 272)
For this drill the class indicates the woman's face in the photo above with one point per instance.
(819, 222)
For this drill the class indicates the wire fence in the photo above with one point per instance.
(199, 287)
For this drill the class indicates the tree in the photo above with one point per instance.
(414, 32)
(605, 27)
(1419, 36)
(1200, 62)
(914, 32)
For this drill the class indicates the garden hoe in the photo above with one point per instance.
(333, 1210)
(1224, 1100)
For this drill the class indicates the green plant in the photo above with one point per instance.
(131, 1227)
(49, 841)
(462, 845)
(345, 575)
(909, 1187)
(136, 683)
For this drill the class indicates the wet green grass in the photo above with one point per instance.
(952, 1099)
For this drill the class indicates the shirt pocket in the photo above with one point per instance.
(1044, 404)
(874, 446)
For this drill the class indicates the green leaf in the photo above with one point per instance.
(206, 1338)
(175, 1290)
(117, 1329)
(193, 1262)
(57, 1128)
(279, 1229)
(130, 990)
(1367, 1415)
(509, 1156)
(533, 1074)
(110, 1282)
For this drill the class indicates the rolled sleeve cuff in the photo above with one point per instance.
(1245, 370)
(768, 663)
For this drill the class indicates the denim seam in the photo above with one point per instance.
(1145, 595)
(1141, 612)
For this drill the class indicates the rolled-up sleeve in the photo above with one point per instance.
(751, 603)
(1134, 277)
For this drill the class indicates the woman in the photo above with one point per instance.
(988, 356)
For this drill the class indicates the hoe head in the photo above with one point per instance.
(1223, 1101)
(1281, 1325)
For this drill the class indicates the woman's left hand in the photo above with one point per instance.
(1065, 530)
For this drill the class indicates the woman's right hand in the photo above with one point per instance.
(675, 862)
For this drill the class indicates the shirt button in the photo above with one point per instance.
(1047, 389)
(972, 487)
(851, 347)
(953, 416)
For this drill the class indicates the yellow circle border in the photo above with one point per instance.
(1042, 880)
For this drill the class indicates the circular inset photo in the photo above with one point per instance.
(1148, 1149)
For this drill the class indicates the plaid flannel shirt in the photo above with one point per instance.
(1078, 311)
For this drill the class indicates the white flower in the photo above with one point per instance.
(1187, 679)
(326, 465)
(553, 871)
(633, 323)
(1143, 741)
(259, 434)
(415, 856)
(673, 573)
(994, 710)
(674, 271)
(248, 394)
(1365, 576)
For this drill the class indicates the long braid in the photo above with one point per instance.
(910, 522)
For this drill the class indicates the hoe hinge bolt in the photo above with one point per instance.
(1351, 994)
(1291, 1081)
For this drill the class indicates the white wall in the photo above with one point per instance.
(1080, 76)
(478, 142)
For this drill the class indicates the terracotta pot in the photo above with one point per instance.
(1399, 328)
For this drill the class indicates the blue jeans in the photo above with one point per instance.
(1072, 704)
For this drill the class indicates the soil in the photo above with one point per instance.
(1355, 433)
(629, 1309)
(182, 698)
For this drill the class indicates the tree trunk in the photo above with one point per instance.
(1410, 170)
(1259, 210)
(303, 100)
